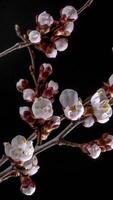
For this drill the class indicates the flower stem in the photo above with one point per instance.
(85, 6)
(17, 46)
(58, 138)
(7, 173)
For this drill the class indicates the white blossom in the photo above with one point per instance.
(32, 166)
(42, 108)
(73, 108)
(45, 19)
(29, 190)
(101, 107)
(61, 44)
(88, 122)
(68, 97)
(29, 94)
(94, 151)
(70, 12)
(52, 53)
(34, 37)
(20, 150)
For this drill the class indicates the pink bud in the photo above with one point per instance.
(51, 89)
(22, 84)
(28, 187)
(26, 115)
(29, 95)
(45, 71)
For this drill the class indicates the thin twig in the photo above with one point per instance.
(68, 143)
(3, 160)
(7, 173)
(85, 6)
(15, 47)
(58, 138)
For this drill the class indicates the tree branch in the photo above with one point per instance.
(85, 6)
(58, 138)
(70, 144)
(15, 47)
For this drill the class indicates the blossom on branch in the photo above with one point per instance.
(42, 108)
(34, 37)
(72, 105)
(28, 187)
(20, 150)
(69, 12)
(101, 106)
(44, 19)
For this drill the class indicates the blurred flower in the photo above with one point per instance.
(44, 19)
(29, 95)
(69, 12)
(27, 115)
(42, 108)
(101, 107)
(73, 108)
(28, 187)
(32, 166)
(61, 44)
(107, 141)
(51, 89)
(51, 52)
(88, 122)
(20, 150)
(34, 37)
(22, 84)
(94, 150)
(111, 80)
(45, 71)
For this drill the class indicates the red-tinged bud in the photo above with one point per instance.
(45, 71)
(22, 84)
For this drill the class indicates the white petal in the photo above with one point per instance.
(19, 141)
(42, 108)
(52, 53)
(69, 27)
(94, 151)
(23, 109)
(53, 85)
(7, 148)
(34, 37)
(33, 170)
(45, 19)
(68, 97)
(70, 12)
(28, 190)
(88, 122)
(28, 95)
(72, 114)
(99, 96)
(61, 44)
(111, 80)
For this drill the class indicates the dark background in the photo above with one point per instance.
(64, 172)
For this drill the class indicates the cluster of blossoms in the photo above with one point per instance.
(41, 98)
(96, 147)
(50, 36)
(21, 153)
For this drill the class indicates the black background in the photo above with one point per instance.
(64, 172)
